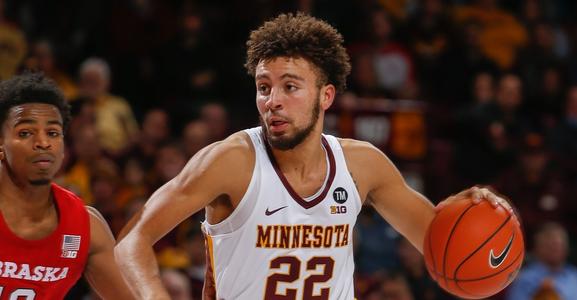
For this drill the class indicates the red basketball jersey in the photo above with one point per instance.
(46, 268)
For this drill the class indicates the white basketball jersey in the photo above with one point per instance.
(277, 245)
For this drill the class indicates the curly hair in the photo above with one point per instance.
(31, 87)
(303, 36)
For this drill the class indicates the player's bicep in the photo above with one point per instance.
(101, 270)
(206, 176)
(406, 210)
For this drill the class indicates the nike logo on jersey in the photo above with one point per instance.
(270, 212)
(496, 261)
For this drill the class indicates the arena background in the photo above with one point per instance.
(455, 92)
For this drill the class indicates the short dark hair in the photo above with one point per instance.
(31, 87)
(303, 36)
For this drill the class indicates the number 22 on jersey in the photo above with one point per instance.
(293, 274)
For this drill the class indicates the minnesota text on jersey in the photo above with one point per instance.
(299, 236)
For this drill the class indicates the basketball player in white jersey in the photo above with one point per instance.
(281, 199)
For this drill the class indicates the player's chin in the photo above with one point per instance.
(40, 181)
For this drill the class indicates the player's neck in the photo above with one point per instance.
(306, 157)
(25, 197)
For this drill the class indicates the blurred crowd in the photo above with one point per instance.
(492, 87)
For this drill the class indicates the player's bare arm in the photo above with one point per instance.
(101, 271)
(220, 173)
(381, 185)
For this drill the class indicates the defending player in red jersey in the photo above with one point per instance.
(48, 238)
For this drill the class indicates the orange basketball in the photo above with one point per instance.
(474, 250)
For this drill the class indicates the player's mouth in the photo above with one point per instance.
(43, 161)
(277, 125)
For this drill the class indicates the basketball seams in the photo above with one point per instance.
(481, 246)
(477, 250)
(520, 255)
(449, 240)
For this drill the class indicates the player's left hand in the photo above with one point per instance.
(477, 194)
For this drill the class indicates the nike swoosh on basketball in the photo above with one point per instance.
(496, 261)
(270, 212)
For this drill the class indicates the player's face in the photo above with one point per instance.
(289, 100)
(32, 143)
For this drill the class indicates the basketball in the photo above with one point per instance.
(473, 250)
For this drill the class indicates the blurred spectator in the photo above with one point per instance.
(169, 161)
(396, 287)
(176, 284)
(187, 64)
(104, 185)
(43, 58)
(392, 63)
(563, 138)
(375, 249)
(135, 29)
(483, 88)
(535, 187)
(86, 158)
(461, 63)
(422, 286)
(363, 79)
(216, 118)
(116, 125)
(195, 136)
(429, 38)
(133, 186)
(155, 131)
(13, 45)
(194, 245)
(546, 105)
(490, 134)
(501, 35)
(534, 14)
(542, 70)
(392, 286)
(548, 274)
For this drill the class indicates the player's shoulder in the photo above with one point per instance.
(237, 144)
(362, 156)
(352, 147)
(236, 152)
(95, 215)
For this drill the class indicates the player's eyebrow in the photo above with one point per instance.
(32, 121)
(292, 76)
(262, 76)
(283, 76)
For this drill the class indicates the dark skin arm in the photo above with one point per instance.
(102, 272)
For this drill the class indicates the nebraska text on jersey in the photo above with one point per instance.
(302, 236)
(10, 269)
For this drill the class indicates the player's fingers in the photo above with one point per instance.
(491, 197)
(440, 206)
(476, 194)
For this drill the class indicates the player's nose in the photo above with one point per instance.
(275, 100)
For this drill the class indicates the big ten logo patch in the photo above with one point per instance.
(70, 246)
(340, 196)
(338, 209)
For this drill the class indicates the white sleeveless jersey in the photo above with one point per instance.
(277, 245)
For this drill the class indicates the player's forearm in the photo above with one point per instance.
(139, 267)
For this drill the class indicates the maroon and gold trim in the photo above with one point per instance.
(290, 190)
(209, 288)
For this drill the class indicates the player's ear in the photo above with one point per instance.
(327, 96)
